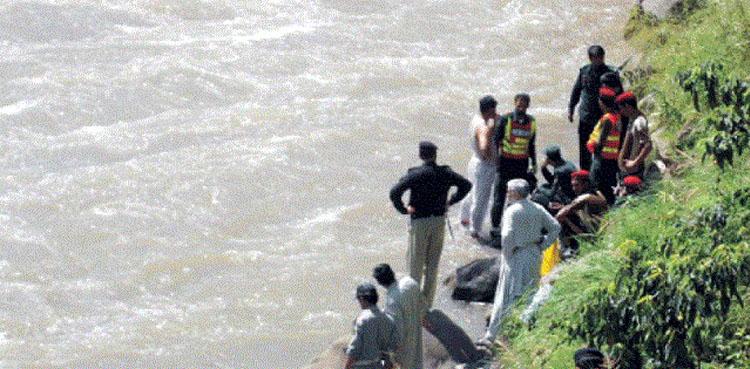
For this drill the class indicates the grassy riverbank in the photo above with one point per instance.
(665, 283)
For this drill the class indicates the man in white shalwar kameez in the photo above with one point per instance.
(526, 230)
(403, 303)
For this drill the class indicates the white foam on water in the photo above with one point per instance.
(17, 108)
(277, 33)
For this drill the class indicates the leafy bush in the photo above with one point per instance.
(726, 99)
(672, 308)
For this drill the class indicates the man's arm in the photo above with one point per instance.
(532, 153)
(575, 96)
(397, 193)
(551, 226)
(463, 185)
(499, 135)
(645, 150)
(354, 350)
(484, 136)
(625, 151)
(579, 202)
(548, 176)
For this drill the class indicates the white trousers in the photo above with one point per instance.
(475, 206)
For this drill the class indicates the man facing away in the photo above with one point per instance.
(515, 136)
(527, 230)
(586, 90)
(481, 168)
(403, 304)
(428, 187)
(374, 334)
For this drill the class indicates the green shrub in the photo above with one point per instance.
(668, 310)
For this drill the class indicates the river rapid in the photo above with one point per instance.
(195, 183)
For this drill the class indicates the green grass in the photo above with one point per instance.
(544, 343)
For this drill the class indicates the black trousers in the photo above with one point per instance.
(508, 169)
(604, 177)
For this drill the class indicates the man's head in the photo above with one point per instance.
(427, 151)
(630, 184)
(384, 275)
(579, 181)
(607, 99)
(596, 55)
(628, 104)
(522, 102)
(517, 189)
(612, 81)
(552, 153)
(367, 295)
(487, 106)
(588, 358)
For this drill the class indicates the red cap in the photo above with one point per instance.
(604, 91)
(627, 95)
(580, 173)
(631, 181)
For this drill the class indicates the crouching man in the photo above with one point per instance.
(374, 334)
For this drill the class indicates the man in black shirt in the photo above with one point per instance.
(429, 185)
(586, 90)
(558, 188)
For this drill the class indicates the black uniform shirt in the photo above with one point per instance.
(586, 89)
(429, 185)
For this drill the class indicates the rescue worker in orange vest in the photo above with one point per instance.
(604, 144)
(515, 134)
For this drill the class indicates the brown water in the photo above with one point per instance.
(204, 183)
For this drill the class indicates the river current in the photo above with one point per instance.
(195, 183)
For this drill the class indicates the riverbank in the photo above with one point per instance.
(664, 283)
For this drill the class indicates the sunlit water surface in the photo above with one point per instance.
(195, 183)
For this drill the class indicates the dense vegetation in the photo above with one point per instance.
(666, 282)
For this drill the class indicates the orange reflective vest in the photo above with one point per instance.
(612, 143)
(517, 138)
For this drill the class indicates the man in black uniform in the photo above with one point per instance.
(586, 89)
(515, 134)
(558, 190)
(429, 185)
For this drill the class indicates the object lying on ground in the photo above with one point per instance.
(458, 344)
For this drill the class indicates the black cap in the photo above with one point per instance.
(366, 289)
(427, 149)
(553, 152)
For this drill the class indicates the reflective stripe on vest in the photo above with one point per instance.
(517, 138)
(612, 143)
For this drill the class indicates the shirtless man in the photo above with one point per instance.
(481, 169)
(582, 214)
